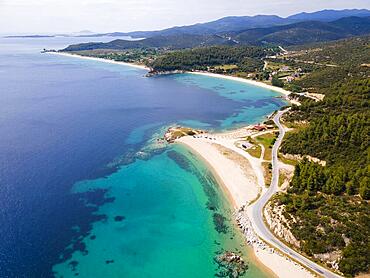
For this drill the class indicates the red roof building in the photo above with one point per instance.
(259, 127)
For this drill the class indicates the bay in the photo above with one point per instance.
(85, 187)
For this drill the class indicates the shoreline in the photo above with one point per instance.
(282, 91)
(211, 168)
(269, 259)
(251, 250)
(209, 74)
(243, 80)
(229, 181)
(66, 54)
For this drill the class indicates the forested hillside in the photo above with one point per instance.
(349, 59)
(330, 204)
(286, 35)
(339, 133)
(237, 23)
(166, 42)
(305, 32)
(247, 58)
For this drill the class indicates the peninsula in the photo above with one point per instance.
(233, 148)
(298, 200)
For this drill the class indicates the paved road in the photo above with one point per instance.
(257, 219)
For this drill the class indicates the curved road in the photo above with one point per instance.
(257, 211)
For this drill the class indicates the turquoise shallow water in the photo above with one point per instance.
(86, 188)
(161, 220)
(257, 103)
(167, 228)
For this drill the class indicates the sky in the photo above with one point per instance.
(66, 16)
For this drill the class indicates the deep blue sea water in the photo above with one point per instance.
(86, 190)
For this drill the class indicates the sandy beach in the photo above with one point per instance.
(234, 78)
(280, 265)
(244, 80)
(238, 79)
(99, 60)
(238, 173)
(231, 168)
(250, 82)
(241, 177)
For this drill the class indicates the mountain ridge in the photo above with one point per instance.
(306, 32)
(286, 35)
(237, 23)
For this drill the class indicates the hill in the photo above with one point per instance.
(305, 32)
(329, 15)
(170, 42)
(232, 24)
(351, 58)
(238, 23)
(327, 206)
(245, 58)
(286, 35)
(220, 26)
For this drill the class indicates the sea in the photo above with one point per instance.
(87, 186)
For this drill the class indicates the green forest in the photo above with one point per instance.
(349, 59)
(339, 133)
(246, 58)
(331, 202)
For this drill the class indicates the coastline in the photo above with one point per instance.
(215, 161)
(253, 254)
(219, 180)
(282, 91)
(274, 262)
(244, 80)
(99, 60)
(209, 74)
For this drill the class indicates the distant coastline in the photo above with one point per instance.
(98, 59)
(244, 80)
(28, 36)
(282, 91)
(232, 170)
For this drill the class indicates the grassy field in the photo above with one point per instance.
(274, 66)
(227, 67)
(293, 162)
(255, 151)
(282, 177)
(267, 140)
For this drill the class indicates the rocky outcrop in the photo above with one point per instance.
(245, 225)
(177, 132)
(278, 223)
(301, 157)
(331, 258)
(253, 240)
(281, 227)
(230, 265)
(157, 73)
